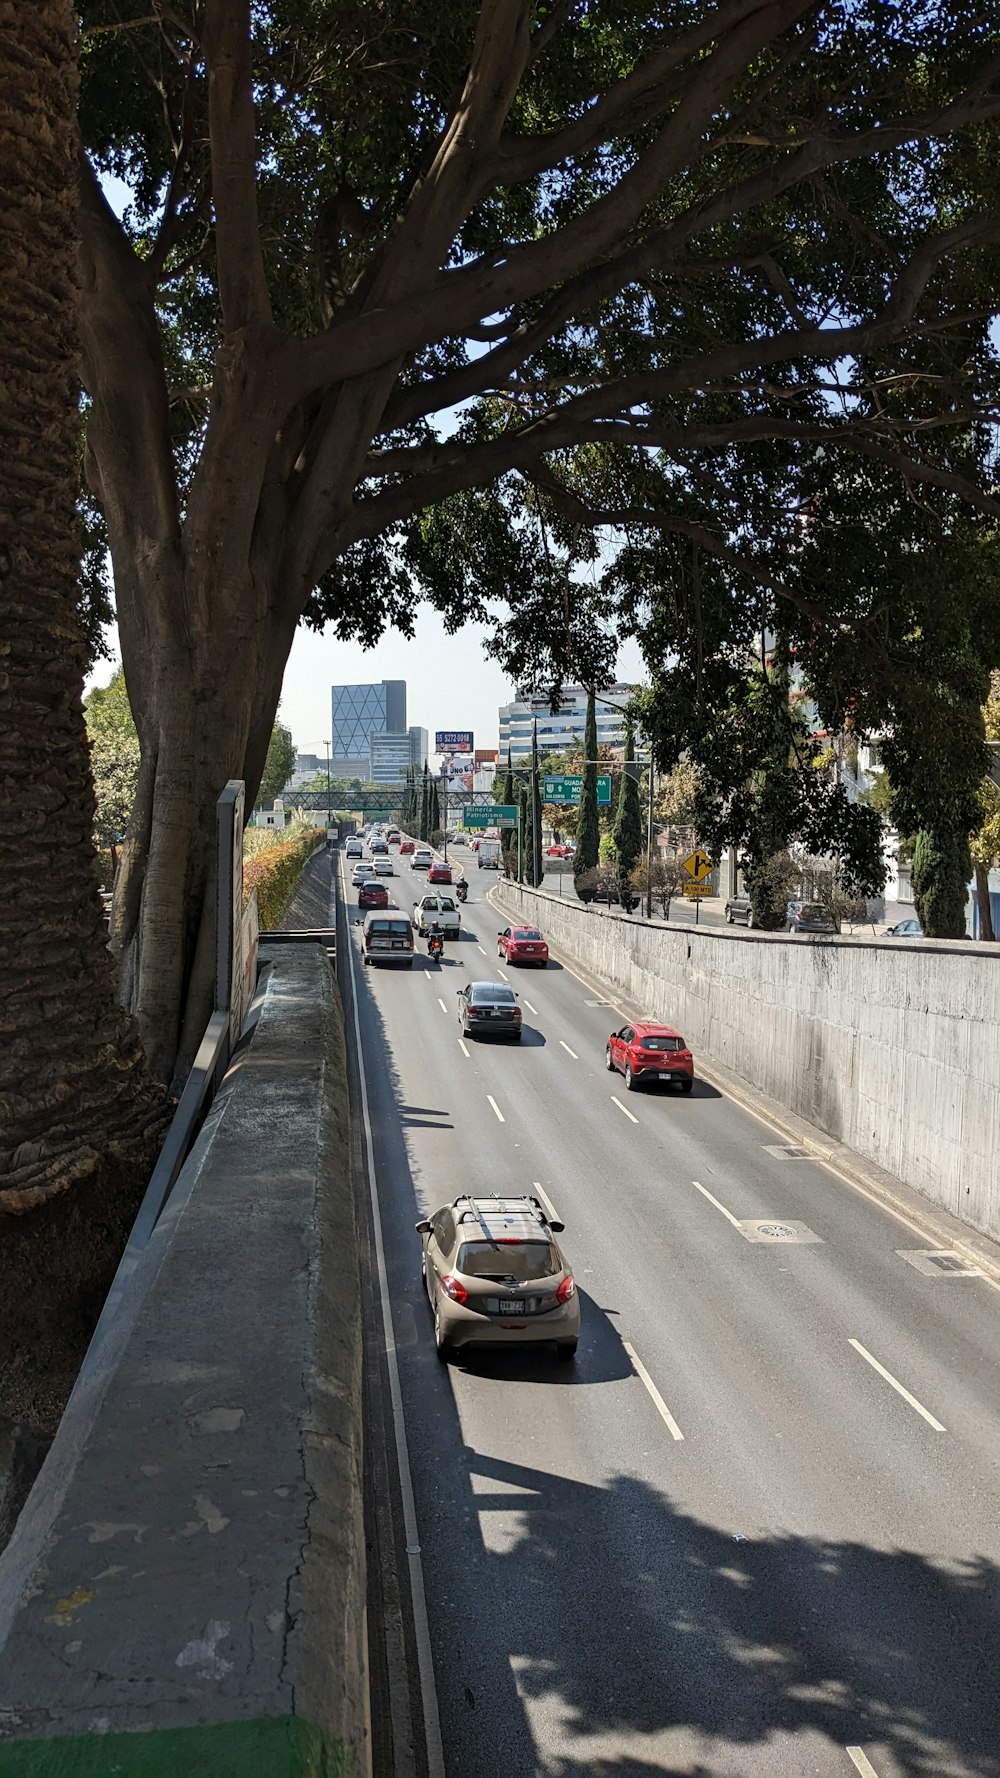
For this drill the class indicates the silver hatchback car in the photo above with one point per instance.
(495, 1276)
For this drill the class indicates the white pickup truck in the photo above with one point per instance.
(443, 909)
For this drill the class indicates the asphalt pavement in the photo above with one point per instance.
(754, 1528)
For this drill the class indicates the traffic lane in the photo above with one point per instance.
(725, 1146)
(543, 1689)
(845, 1471)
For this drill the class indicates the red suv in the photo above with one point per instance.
(650, 1052)
(522, 944)
(439, 873)
(373, 894)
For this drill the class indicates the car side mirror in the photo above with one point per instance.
(423, 1228)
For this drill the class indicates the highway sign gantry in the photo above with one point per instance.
(568, 789)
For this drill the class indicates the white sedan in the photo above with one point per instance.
(383, 866)
(361, 873)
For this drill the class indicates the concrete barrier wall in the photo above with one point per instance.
(185, 1588)
(892, 1049)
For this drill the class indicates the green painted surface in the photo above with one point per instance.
(274, 1747)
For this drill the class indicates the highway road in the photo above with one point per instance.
(755, 1528)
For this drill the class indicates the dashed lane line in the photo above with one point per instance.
(532, 1009)
(569, 1052)
(621, 1107)
(461, 1045)
(860, 1759)
(442, 1004)
(496, 1108)
(726, 1213)
(661, 1407)
(897, 1385)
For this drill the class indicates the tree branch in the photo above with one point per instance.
(240, 262)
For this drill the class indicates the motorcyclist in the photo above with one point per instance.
(435, 939)
(462, 889)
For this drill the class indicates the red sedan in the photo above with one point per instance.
(522, 944)
(373, 894)
(406, 846)
(439, 873)
(650, 1052)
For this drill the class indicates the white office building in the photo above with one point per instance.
(564, 730)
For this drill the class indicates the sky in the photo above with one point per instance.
(451, 683)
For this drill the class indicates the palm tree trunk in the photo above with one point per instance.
(73, 1090)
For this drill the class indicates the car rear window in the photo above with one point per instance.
(491, 994)
(662, 1043)
(523, 1260)
(526, 932)
(813, 910)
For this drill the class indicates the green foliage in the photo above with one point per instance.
(424, 826)
(279, 765)
(114, 758)
(523, 832)
(588, 830)
(274, 869)
(942, 866)
(627, 832)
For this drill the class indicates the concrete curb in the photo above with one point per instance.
(204, 1575)
(937, 1225)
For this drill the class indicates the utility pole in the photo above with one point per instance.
(536, 813)
(444, 806)
(329, 811)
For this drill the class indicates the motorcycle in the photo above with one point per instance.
(435, 946)
(462, 890)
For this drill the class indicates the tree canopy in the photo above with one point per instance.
(559, 312)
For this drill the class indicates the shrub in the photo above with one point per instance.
(274, 869)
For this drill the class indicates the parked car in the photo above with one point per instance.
(443, 909)
(522, 944)
(383, 865)
(645, 1053)
(360, 873)
(739, 911)
(806, 917)
(598, 885)
(904, 929)
(557, 851)
(494, 1275)
(405, 846)
(388, 938)
(439, 873)
(423, 858)
(488, 1009)
(373, 894)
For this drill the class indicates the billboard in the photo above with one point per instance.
(453, 740)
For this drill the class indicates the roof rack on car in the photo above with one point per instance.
(543, 1208)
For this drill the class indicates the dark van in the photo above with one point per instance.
(387, 938)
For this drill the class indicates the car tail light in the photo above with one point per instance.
(454, 1289)
(567, 1289)
(517, 1012)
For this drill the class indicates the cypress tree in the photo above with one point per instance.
(523, 832)
(588, 830)
(627, 830)
(425, 808)
(942, 866)
(508, 835)
(434, 810)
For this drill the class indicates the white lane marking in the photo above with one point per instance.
(658, 1401)
(503, 972)
(858, 1758)
(569, 1052)
(496, 1108)
(726, 1213)
(425, 1658)
(461, 1045)
(442, 1004)
(624, 1108)
(897, 1385)
(479, 947)
(532, 1009)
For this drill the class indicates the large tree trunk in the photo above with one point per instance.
(72, 1084)
(986, 931)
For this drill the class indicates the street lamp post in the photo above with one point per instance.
(444, 806)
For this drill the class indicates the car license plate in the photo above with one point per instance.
(668, 1073)
(513, 1306)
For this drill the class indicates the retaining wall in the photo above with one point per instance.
(185, 1588)
(892, 1049)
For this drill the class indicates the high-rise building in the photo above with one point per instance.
(358, 712)
(418, 746)
(558, 733)
(388, 758)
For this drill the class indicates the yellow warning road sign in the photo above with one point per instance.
(698, 866)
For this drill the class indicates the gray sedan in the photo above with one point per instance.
(489, 1009)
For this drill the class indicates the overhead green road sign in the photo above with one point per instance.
(490, 815)
(567, 790)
